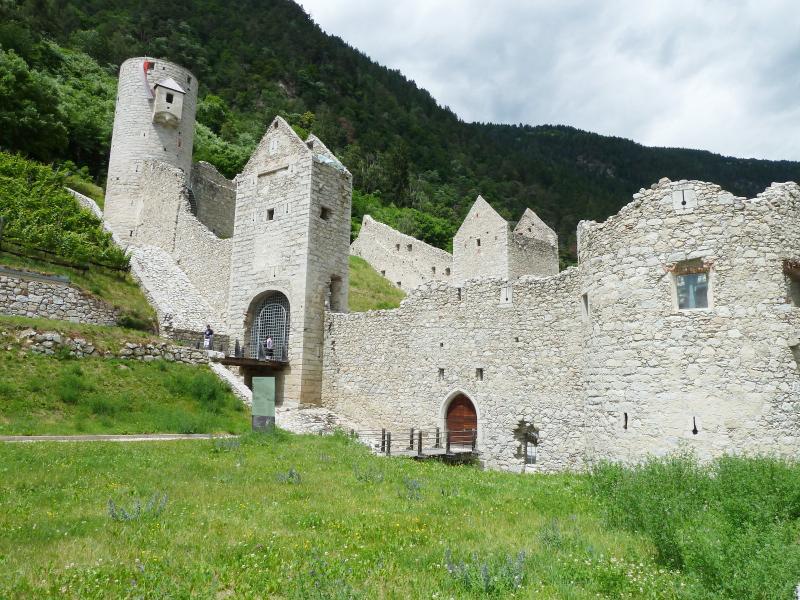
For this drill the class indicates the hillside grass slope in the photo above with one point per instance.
(368, 290)
(63, 395)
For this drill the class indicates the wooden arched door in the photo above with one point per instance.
(462, 420)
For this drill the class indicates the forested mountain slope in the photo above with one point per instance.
(413, 161)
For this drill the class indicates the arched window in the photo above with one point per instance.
(269, 332)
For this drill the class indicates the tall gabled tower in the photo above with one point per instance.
(290, 255)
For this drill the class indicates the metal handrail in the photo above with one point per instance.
(411, 439)
(256, 351)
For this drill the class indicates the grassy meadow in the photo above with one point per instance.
(285, 516)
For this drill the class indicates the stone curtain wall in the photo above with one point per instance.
(26, 295)
(386, 250)
(166, 222)
(382, 367)
(731, 369)
(215, 199)
(727, 369)
(87, 203)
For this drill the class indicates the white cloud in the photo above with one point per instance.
(722, 75)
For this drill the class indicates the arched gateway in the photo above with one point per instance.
(270, 323)
(462, 420)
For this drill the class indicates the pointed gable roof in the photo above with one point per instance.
(481, 209)
(531, 226)
(170, 84)
(322, 153)
(281, 128)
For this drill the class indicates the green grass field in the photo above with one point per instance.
(238, 523)
(370, 291)
(284, 516)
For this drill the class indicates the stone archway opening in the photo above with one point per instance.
(461, 419)
(268, 328)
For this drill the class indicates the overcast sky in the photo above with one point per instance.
(720, 75)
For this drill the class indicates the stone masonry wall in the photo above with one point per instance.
(600, 357)
(215, 199)
(480, 246)
(166, 221)
(387, 251)
(27, 295)
(726, 372)
(382, 367)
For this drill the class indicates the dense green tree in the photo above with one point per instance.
(31, 117)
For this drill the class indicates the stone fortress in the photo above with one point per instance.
(679, 326)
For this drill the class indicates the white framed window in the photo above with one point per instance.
(273, 146)
(691, 285)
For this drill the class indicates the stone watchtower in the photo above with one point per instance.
(154, 120)
(290, 256)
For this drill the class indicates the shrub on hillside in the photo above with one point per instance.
(39, 212)
(733, 523)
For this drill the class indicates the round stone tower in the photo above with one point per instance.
(154, 120)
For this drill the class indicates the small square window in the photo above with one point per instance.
(479, 374)
(441, 344)
(325, 213)
(170, 98)
(447, 271)
(399, 284)
(270, 214)
(408, 247)
(397, 247)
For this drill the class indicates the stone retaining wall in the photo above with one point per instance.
(26, 294)
(53, 342)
